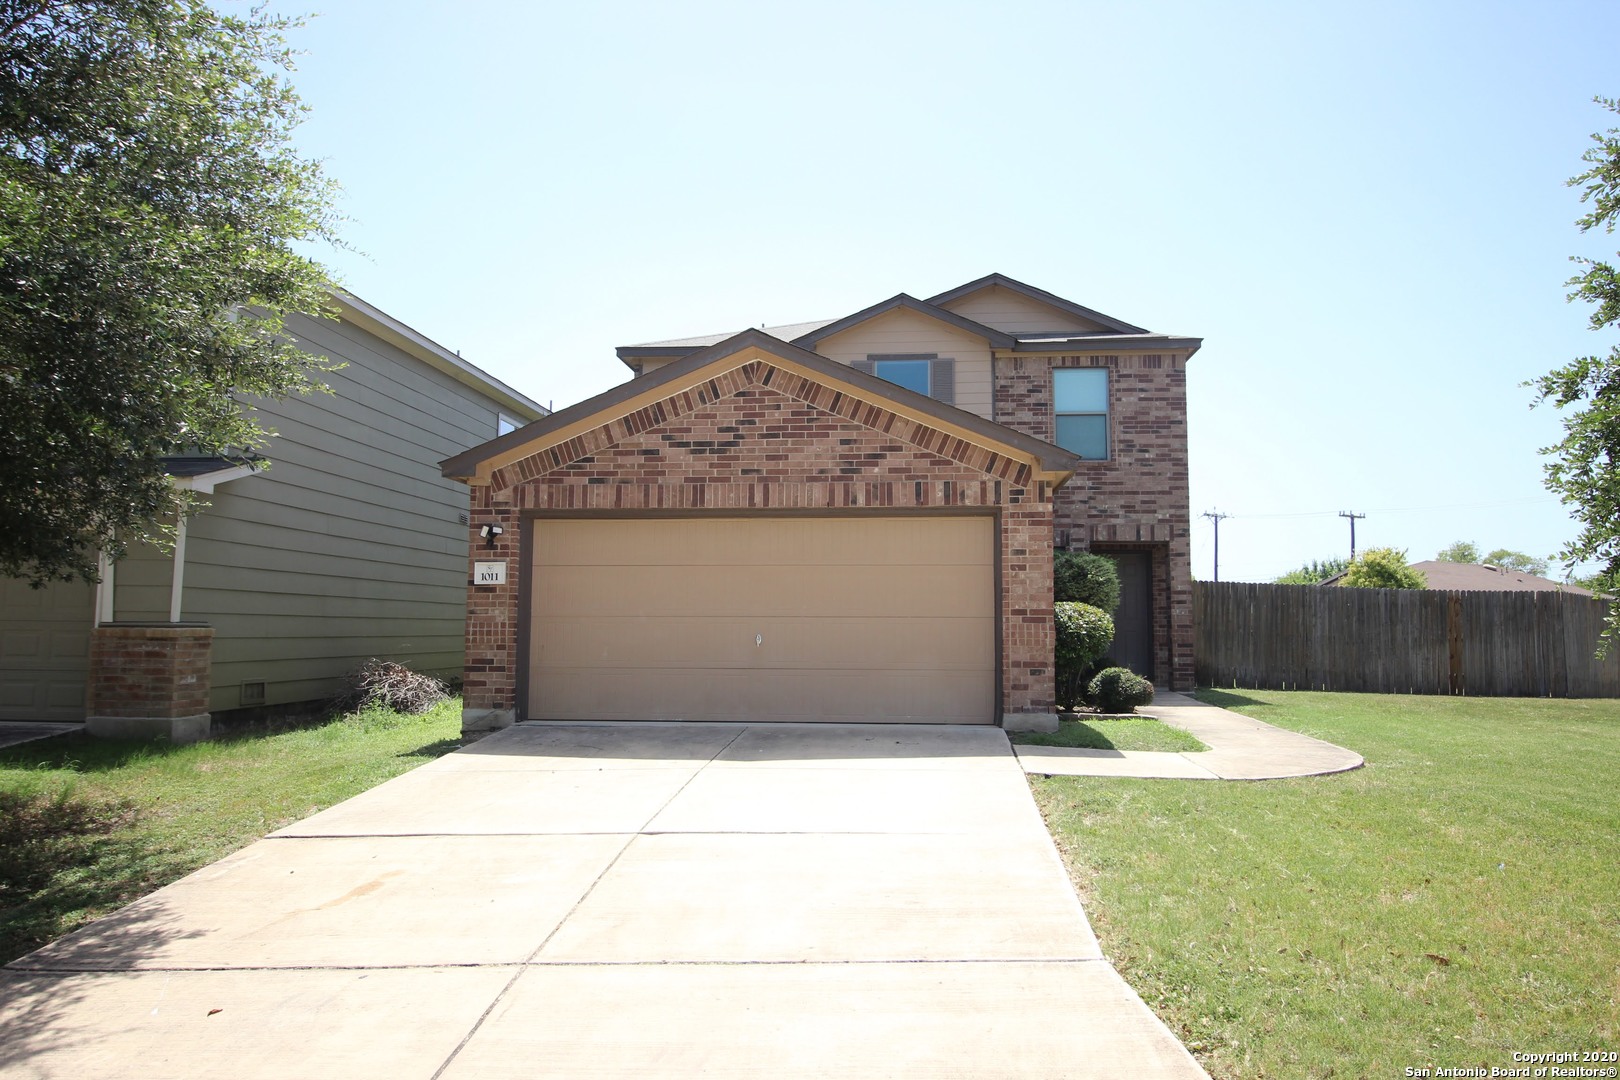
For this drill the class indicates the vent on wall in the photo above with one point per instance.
(252, 694)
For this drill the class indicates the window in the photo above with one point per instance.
(911, 374)
(1080, 400)
(924, 373)
(504, 424)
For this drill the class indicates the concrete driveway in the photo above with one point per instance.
(616, 900)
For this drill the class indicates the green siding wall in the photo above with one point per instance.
(349, 546)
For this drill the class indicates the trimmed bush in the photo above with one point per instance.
(1084, 633)
(1082, 577)
(1120, 690)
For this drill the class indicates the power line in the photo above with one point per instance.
(1400, 509)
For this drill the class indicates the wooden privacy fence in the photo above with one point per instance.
(1400, 641)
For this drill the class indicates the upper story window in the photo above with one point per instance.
(1080, 400)
(505, 423)
(925, 373)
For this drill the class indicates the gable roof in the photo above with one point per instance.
(733, 352)
(1052, 300)
(911, 303)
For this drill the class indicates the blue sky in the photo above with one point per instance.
(1360, 208)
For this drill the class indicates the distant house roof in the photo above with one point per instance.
(1477, 577)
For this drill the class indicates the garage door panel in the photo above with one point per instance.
(837, 642)
(767, 697)
(673, 694)
(763, 619)
(945, 697)
(695, 542)
(725, 591)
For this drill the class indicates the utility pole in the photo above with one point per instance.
(1216, 516)
(1353, 516)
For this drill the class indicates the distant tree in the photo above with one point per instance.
(1084, 577)
(1383, 568)
(1517, 560)
(151, 202)
(1314, 572)
(1465, 551)
(1585, 466)
(1462, 551)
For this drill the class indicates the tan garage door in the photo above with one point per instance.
(44, 650)
(854, 619)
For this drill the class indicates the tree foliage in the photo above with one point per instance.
(1517, 560)
(1460, 551)
(1083, 577)
(150, 201)
(1584, 469)
(1315, 572)
(1466, 551)
(1383, 568)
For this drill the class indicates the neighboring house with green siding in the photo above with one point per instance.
(350, 545)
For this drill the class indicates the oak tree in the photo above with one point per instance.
(152, 204)
(1585, 465)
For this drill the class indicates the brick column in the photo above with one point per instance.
(149, 680)
(489, 677)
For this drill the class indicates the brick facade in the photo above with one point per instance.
(1136, 500)
(149, 671)
(148, 680)
(762, 438)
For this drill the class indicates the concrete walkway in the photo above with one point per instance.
(1240, 748)
(616, 900)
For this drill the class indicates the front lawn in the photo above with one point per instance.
(1113, 733)
(87, 825)
(1453, 902)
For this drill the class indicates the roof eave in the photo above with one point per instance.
(374, 320)
(1110, 344)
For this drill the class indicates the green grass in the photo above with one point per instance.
(1456, 900)
(87, 825)
(1122, 733)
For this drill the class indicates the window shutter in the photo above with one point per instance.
(944, 381)
(862, 366)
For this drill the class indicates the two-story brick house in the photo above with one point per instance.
(844, 519)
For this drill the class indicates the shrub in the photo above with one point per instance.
(1084, 633)
(382, 683)
(1120, 690)
(1083, 577)
(1383, 568)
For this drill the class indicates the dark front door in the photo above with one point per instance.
(1133, 622)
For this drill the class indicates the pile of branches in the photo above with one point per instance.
(393, 686)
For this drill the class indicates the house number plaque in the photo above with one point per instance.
(489, 573)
